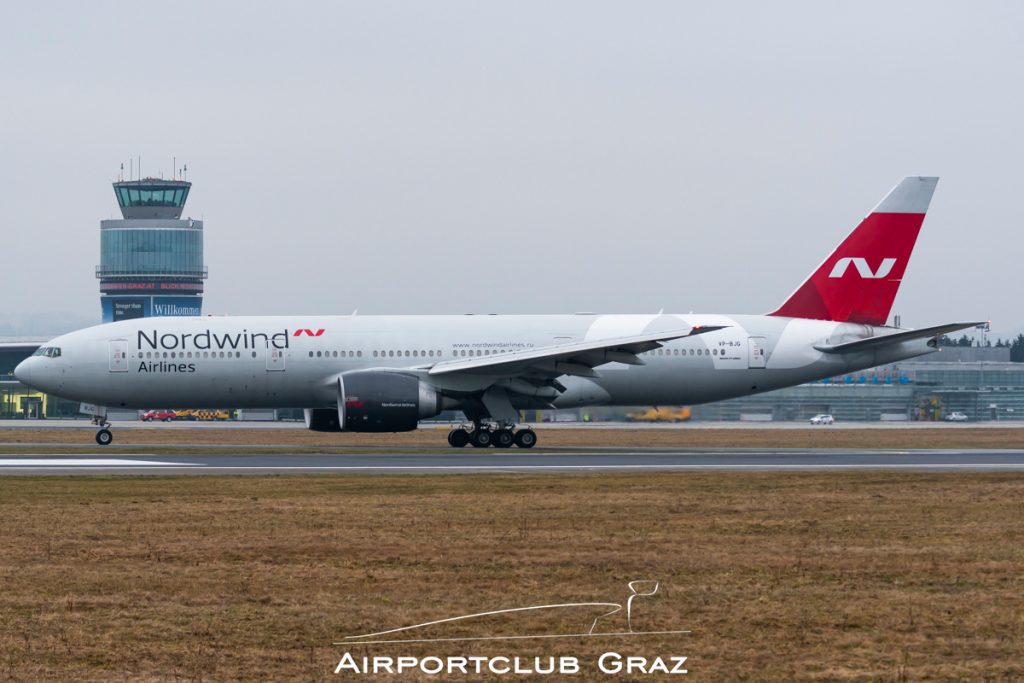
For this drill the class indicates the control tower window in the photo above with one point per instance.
(152, 196)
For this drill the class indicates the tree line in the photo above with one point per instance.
(1016, 346)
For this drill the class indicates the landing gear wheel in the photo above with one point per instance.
(458, 438)
(104, 437)
(503, 438)
(480, 438)
(526, 438)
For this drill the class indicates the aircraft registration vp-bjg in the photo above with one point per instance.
(386, 373)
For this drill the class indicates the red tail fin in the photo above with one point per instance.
(859, 280)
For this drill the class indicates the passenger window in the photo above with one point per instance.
(359, 354)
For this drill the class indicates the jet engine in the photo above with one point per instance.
(378, 401)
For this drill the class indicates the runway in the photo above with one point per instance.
(554, 461)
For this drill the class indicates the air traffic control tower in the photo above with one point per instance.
(151, 262)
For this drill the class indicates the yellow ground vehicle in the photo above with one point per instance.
(661, 415)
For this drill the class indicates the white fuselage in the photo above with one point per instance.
(295, 361)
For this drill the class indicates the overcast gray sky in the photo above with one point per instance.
(413, 157)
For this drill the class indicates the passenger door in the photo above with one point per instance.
(275, 358)
(757, 356)
(119, 355)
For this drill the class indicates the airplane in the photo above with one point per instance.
(386, 373)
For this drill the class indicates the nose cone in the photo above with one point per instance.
(24, 372)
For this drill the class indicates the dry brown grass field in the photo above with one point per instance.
(864, 576)
(942, 436)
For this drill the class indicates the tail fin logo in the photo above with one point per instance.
(863, 269)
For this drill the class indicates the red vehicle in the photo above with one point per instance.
(164, 415)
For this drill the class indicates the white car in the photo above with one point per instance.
(823, 419)
(956, 416)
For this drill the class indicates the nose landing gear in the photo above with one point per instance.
(498, 435)
(104, 436)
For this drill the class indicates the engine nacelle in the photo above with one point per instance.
(381, 401)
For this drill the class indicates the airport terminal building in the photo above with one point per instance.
(981, 383)
(151, 260)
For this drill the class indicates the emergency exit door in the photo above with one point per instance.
(119, 355)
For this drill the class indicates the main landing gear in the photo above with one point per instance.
(104, 436)
(499, 436)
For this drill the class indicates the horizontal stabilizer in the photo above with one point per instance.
(896, 338)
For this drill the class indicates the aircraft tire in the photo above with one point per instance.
(480, 438)
(503, 438)
(458, 438)
(526, 438)
(104, 437)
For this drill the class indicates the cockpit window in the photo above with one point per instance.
(48, 351)
(41, 351)
(55, 352)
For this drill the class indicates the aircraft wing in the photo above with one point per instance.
(896, 338)
(576, 358)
